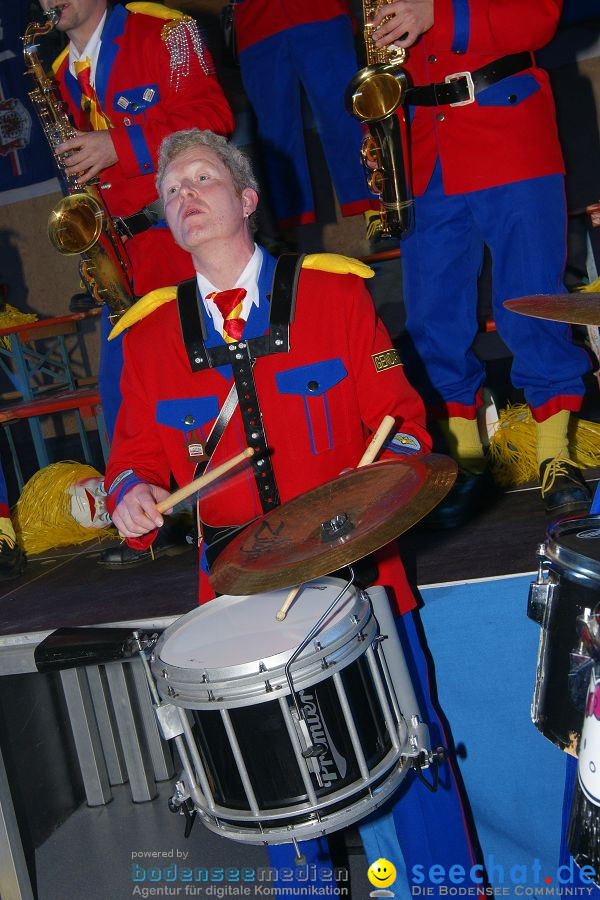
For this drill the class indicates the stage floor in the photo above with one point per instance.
(468, 579)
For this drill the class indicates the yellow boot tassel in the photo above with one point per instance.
(512, 451)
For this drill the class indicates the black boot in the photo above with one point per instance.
(564, 490)
(469, 495)
(12, 559)
(171, 540)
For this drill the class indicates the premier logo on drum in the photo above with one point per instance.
(333, 765)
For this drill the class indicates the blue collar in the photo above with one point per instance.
(114, 28)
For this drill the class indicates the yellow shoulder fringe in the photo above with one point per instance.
(324, 262)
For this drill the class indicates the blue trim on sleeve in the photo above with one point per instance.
(140, 149)
(122, 483)
(462, 26)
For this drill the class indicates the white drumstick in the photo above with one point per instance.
(288, 602)
(203, 480)
(368, 456)
(377, 441)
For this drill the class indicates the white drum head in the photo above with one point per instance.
(236, 630)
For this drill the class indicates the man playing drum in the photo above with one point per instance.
(313, 400)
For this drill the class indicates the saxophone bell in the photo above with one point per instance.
(75, 224)
(376, 92)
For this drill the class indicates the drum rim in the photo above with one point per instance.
(573, 565)
(258, 671)
(387, 775)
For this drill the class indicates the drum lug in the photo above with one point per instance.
(418, 739)
(169, 720)
(541, 591)
(310, 751)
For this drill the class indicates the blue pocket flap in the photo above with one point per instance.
(187, 414)
(509, 92)
(137, 100)
(312, 380)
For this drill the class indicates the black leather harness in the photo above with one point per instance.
(241, 356)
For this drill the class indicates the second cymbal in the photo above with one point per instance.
(576, 309)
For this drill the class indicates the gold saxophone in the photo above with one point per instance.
(80, 223)
(375, 96)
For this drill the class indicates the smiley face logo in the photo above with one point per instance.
(381, 873)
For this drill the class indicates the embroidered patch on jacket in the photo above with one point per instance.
(386, 360)
(119, 480)
(403, 443)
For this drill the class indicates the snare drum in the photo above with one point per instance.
(563, 601)
(254, 769)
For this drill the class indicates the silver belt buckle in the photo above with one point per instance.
(470, 86)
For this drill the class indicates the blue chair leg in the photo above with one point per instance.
(15, 458)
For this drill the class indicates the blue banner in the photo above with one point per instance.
(26, 164)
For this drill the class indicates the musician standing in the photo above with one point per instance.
(316, 403)
(130, 75)
(486, 169)
(287, 49)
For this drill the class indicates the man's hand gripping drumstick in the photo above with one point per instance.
(368, 456)
(141, 509)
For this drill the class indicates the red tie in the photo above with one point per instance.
(89, 99)
(229, 304)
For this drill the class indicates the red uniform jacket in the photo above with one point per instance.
(509, 133)
(319, 403)
(146, 96)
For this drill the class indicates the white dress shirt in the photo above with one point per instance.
(248, 280)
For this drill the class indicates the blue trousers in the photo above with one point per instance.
(319, 57)
(523, 224)
(418, 828)
(109, 373)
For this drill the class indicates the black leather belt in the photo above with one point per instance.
(128, 226)
(461, 88)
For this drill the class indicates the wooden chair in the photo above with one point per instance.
(83, 402)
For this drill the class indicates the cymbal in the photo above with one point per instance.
(363, 510)
(578, 309)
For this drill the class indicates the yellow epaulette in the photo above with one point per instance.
(144, 306)
(155, 9)
(324, 262)
(59, 60)
(335, 262)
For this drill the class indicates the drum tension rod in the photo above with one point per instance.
(432, 760)
(312, 750)
(299, 858)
